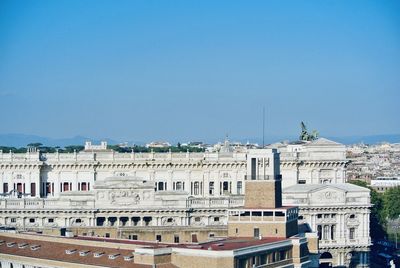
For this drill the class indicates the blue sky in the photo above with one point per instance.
(196, 70)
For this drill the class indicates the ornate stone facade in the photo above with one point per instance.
(315, 162)
(105, 189)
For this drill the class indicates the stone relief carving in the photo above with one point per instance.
(330, 196)
(124, 197)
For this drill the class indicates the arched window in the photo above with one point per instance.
(326, 255)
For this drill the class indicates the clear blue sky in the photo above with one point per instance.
(196, 70)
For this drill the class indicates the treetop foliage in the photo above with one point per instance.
(117, 148)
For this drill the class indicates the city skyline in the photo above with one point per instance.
(196, 71)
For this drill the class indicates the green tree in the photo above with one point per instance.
(34, 144)
(392, 203)
(72, 148)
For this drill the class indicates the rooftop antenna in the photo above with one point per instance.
(263, 130)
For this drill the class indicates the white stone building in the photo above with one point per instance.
(315, 162)
(340, 214)
(105, 188)
(313, 177)
(101, 188)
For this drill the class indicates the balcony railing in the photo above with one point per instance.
(44, 204)
(215, 202)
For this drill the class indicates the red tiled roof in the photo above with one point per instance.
(230, 243)
(56, 251)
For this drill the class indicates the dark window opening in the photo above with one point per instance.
(256, 232)
(176, 238)
(158, 238)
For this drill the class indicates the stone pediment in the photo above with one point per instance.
(323, 142)
(328, 195)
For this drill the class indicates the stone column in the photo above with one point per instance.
(206, 180)
(37, 186)
(169, 180)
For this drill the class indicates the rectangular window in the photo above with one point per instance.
(239, 187)
(161, 186)
(50, 220)
(253, 168)
(33, 189)
(48, 188)
(176, 238)
(225, 186)
(196, 188)
(107, 235)
(65, 187)
(31, 220)
(158, 238)
(83, 186)
(211, 187)
(194, 238)
(256, 232)
(134, 237)
(279, 214)
(5, 187)
(178, 186)
(14, 220)
(19, 187)
(352, 232)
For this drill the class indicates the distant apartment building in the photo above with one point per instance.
(381, 184)
(158, 144)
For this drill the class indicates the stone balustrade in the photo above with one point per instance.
(228, 202)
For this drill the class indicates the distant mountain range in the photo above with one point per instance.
(21, 140)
